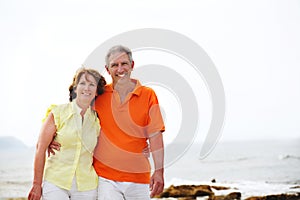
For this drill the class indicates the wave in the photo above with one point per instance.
(239, 159)
(287, 156)
(15, 182)
(248, 188)
(249, 158)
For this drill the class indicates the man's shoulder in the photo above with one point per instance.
(108, 86)
(102, 98)
(146, 89)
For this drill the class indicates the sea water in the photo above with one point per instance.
(16, 171)
(251, 167)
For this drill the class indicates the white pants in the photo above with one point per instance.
(108, 190)
(52, 192)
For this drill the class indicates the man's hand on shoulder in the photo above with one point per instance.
(53, 146)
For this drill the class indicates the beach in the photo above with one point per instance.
(251, 168)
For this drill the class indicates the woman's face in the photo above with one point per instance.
(86, 89)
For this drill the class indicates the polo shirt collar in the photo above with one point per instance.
(136, 91)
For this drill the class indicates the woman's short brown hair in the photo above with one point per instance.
(98, 77)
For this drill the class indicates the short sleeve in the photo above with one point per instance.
(54, 110)
(156, 123)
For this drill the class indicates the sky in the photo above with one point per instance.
(254, 45)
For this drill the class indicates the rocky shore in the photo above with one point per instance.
(208, 192)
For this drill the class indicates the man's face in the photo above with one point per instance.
(119, 67)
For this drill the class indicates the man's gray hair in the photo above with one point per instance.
(117, 49)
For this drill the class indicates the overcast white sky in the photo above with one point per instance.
(255, 46)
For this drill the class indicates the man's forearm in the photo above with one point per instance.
(157, 150)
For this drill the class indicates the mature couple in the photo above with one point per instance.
(103, 132)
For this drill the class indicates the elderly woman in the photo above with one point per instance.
(69, 174)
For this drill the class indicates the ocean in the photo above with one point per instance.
(252, 167)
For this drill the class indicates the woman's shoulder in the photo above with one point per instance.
(55, 108)
(59, 106)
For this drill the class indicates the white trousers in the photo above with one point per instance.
(52, 192)
(108, 190)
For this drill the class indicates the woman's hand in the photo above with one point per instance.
(35, 192)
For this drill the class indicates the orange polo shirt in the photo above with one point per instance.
(125, 128)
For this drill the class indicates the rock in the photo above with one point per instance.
(233, 196)
(295, 187)
(192, 191)
(277, 197)
(220, 187)
(230, 196)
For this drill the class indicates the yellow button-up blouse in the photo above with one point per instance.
(78, 139)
